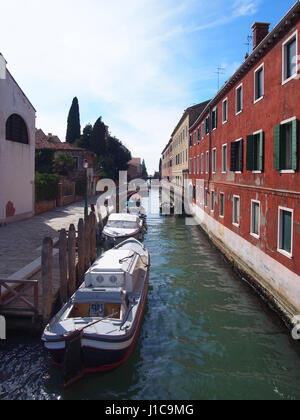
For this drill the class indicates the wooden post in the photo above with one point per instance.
(46, 277)
(87, 243)
(63, 266)
(81, 251)
(71, 259)
(93, 222)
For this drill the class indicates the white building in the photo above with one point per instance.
(17, 150)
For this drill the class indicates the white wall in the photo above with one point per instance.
(16, 159)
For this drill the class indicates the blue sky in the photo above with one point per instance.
(136, 63)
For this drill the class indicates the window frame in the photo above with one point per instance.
(212, 201)
(284, 62)
(223, 213)
(261, 67)
(223, 166)
(236, 224)
(280, 236)
(240, 87)
(225, 101)
(214, 160)
(252, 233)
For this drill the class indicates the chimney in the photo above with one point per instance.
(49, 134)
(260, 31)
(2, 67)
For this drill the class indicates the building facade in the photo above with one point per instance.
(135, 169)
(244, 164)
(17, 150)
(167, 162)
(180, 144)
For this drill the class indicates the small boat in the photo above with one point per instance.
(167, 208)
(123, 225)
(134, 206)
(97, 328)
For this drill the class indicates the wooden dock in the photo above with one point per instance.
(31, 302)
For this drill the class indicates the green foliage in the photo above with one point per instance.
(46, 187)
(64, 164)
(98, 142)
(73, 128)
(85, 139)
(44, 161)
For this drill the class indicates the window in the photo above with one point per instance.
(255, 152)
(198, 164)
(225, 111)
(207, 122)
(289, 58)
(212, 201)
(202, 163)
(255, 219)
(239, 99)
(194, 165)
(221, 208)
(214, 116)
(16, 129)
(259, 83)
(236, 210)
(203, 130)
(224, 158)
(236, 161)
(198, 135)
(207, 162)
(190, 168)
(214, 160)
(191, 140)
(285, 231)
(286, 146)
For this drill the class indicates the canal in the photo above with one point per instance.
(206, 335)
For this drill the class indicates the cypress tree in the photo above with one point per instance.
(73, 129)
(98, 143)
(144, 170)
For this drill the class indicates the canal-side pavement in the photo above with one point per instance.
(20, 242)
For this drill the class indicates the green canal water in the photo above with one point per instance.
(206, 335)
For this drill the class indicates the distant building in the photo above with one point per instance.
(17, 149)
(167, 162)
(53, 142)
(135, 169)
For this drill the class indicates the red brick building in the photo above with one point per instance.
(244, 163)
(167, 159)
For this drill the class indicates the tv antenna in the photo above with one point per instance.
(220, 70)
(249, 40)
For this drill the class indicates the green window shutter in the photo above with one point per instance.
(277, 135)
(233, 156)
(250, 153)
(294, 144)
(261, 151)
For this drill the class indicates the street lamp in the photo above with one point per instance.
(85, 167)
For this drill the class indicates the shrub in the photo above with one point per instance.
(46, 187)
(80, 187)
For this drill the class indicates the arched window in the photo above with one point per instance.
(16, 129)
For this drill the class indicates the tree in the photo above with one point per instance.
(44, 161)
(64, 164)
(98, 143)
(73, 128)
(116, 159)
(144, 170)
(85, 139)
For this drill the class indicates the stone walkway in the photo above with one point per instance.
(20, 242)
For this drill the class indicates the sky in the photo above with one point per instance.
(136, 63)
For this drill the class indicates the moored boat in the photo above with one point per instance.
(105, 313)
(121, 226)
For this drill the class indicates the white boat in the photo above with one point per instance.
(123, 225)
(105, 312)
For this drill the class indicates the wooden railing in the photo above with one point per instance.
(17, 294)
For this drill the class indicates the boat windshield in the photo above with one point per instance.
(121, 224)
